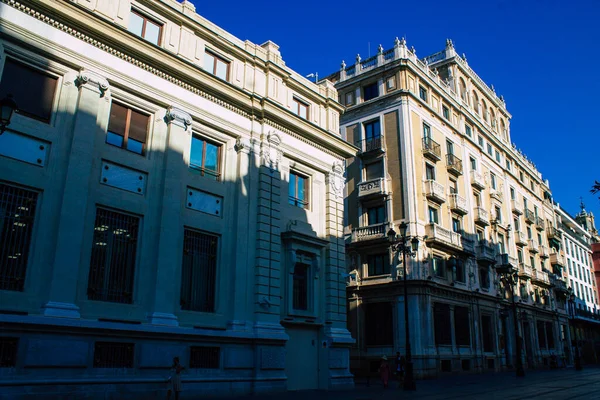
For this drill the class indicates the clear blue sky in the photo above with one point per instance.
(542, 55)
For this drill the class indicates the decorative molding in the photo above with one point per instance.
(94, 80)
(178, 117)
(243, 145)
(335, 178)
(270, 151)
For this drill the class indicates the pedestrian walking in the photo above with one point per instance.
(384, 371)
(400, 361)
(175, 379)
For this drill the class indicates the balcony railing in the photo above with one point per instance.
(432, 149)
(458, 204)
(558, 283)
(481, 216)
(496, 194)
(370, 232)
(468, 245)
(521, 238)
(506, 260)
(477, 180)
(525, 270)
(533, 246)
(435, 191)
(517, 207)
(540, 277)
(436, 233)
(371, 144)
(544, 252)
(529, 216)
(372, 187)
(486, 252)
(540, 223)
(454, 164)
(558, 258)
(553, 233)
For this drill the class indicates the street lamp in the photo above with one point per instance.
(510, 277)
(407, 246)
(7, 108)
(578, 366)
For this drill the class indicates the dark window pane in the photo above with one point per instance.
(374, 170)
(32, 90)
(379, 324)
(138, 126)
(462, 327)
(300, 287)
(118, 119)
(212, 157)
(487, 333)
(441, 321)
(292, 189)
(199, 270)
(371, 91)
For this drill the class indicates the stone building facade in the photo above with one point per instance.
(166, 189)
(435, 152)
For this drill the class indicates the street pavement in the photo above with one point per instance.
(563, 384)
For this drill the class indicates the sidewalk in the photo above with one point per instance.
(549, 385)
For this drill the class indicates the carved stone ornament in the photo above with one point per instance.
(178, 117)
(95, 81)
(270, 151)
(242, 144)
(336, 179)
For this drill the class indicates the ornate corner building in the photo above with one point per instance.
(166, 189)
(435, 152)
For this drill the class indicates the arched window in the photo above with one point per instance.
(475, 102)
(503, 129)
(463, 89)
(484, 110)
(493, 119)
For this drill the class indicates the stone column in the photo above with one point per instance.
(73, 208)
(170, 223)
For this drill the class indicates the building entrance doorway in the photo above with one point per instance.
(302, 359)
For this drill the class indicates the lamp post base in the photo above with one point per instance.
(409, 378)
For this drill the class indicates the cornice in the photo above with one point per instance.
(158, 61)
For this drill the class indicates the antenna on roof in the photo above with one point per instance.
(369, 52)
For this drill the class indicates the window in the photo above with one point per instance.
(423, 93)
(462, 326)
(453, 186)
(446, 112)
(493, 180)
(520, 255)
(521, 178)
(127, 128)
(378, 264)
(501, 244)
(198, 271)
(298, 190)
(456, 225)
(375, 215)
(484, 277)
(429, 172)
(113, 355)
(497, 156)
(535, 211)
(8, 351)
(508, 165)
(205, 157)
(205, 357)
(532, 261)
(540, 239)
(300, 287)
(449, 147)
(473, 163)
(438, 266)
(370, 91)
(374, 170)
(17, 214)
(426, 131)
(113, 260)
(532, 185)
(144, 27)
(350, 98)
(216, 65)
(480, 141)
(570, 267)
(512, 193)
(477, 199)
(490, 150)
(379, 325)
(442, 325)
(517, 224)
(32, 90)
(487, 333)
(468, 130)
(433, 215)
(460, 275)
(300, 108)
(372, 130)
(498, 213)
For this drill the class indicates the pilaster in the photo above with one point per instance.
(73, 210)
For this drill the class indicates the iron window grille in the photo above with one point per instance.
(113, 355)
(205, 357)
(113, 260)
(8, 352)
(198, 271)
(17, 214)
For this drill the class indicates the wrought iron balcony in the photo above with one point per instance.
(558, 284)
(525, 270)
(482, 217)
(540, 277)
(529, 216)
(553, 233)
(371, 188)
(454, 164)
(370, 232)
(458, 204)
(372, 145)
(485, 252)
(517, 207)
(540, 224)
(468, 245)
(439, 235)
(533, 246)
(544, 252)
(432, 149)
(506, 260)
(435, 191)
(521, 238)
(477, 180)
(558, 258)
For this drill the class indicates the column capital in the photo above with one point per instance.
(178, 117)
(93, 80)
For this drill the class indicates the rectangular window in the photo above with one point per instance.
(374, 170)
(300, 287)
(429, 172)
(488, 333)
(379, 326)
(218, 66)
(198, 271)
(127, 128)
(501, 244)
(144, 27)
(300, 108)
(423, 93)
(456, 225)
(372, 130)
(449, 147)
(493, 180)
(378, 264)
(517, 224)
(370, 91)
(205, 157)
(490, 150)
(298, 190)
(473, 163)
(17, 214)
(205, 357)
(350, 98)
(31, 89)
(541, 331)
(433, 215)
(477, 199)
(460, 275)
(498, 214)
(468, 130)
(462, 326)
(453, 186)
(446, 112)
(497, 156)
(484, 277)
(508, 165)
(426, 131)
(550, 334)
(113, 260)
(521, 178)
(520, 255)
(376, 215)
(442, 325)
(439, 267)
(512, 193)
(113, 355)
(480, 141)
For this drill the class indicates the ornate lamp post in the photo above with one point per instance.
(578, 366)
(510, 276)
(407, 246)
(7, 108)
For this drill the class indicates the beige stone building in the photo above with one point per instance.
(436, 153)
(166, 189)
